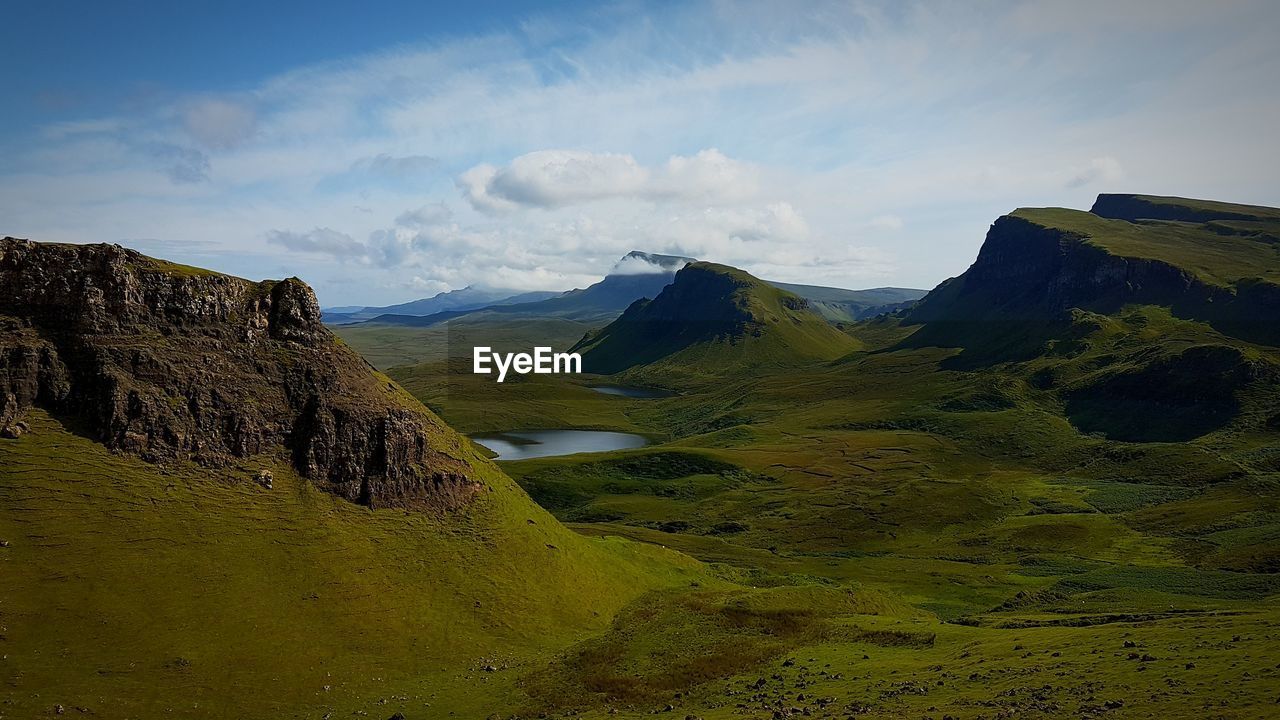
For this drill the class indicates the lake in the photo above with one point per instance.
(526, 444)
(632, 392)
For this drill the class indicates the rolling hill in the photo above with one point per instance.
(710, 318)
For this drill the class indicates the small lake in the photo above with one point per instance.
(527, 444)
(632, 392)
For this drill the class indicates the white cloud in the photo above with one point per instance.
(218, 124)
(636, 265)
(475, 185)
(1097, 170)
(427, 287)
(558, 178)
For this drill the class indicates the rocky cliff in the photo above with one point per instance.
(176, 363)
(1212, 262)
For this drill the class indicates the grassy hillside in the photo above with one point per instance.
(1221, 252)
(1042, 562)
(710, 319)
(132, 590)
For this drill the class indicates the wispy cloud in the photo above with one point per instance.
(850, 143)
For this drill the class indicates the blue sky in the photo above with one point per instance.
(385, 151)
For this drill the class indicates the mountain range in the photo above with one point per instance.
(467, 298)
(636, 275)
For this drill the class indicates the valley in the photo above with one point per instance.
(1050, 488)
(961, 468)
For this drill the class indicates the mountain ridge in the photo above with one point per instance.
(611, 295)
(470, 297)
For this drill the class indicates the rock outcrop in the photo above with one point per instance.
(1037, 265)
(169, 362)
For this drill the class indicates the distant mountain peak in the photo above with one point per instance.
(638, 262)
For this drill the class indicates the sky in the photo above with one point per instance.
(385, 151)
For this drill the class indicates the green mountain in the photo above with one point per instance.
(1150, 318)
(711, 318)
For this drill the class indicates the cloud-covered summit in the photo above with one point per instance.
(638, 262)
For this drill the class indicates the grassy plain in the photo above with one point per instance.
(1036, 566)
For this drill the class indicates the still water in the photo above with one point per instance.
(546, 443)
(631, 392)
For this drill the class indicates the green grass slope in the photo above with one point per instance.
(1218, 252)
(710, 319)
(133, 590)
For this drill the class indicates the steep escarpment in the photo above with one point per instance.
(170, 362)
(1037, 264)
(712, 317)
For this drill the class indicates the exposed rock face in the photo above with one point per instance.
(1025, 269)
(169, 362)
(1030, 273)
